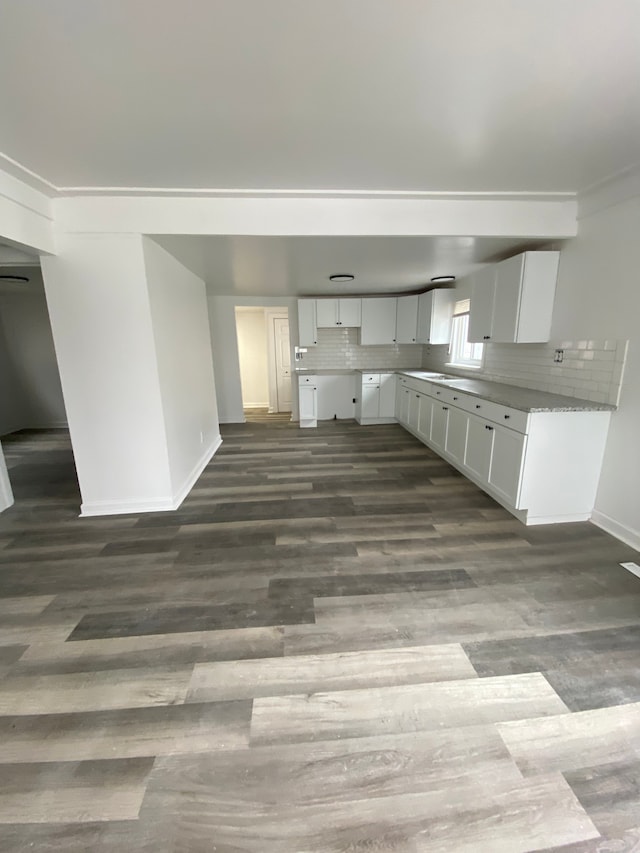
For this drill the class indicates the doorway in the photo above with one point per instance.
(264, 354)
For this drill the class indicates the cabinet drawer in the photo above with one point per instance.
(512, 418)
(370, 378)
(307, 379)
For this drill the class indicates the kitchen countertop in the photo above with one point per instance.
(301, 371)
(524, 399)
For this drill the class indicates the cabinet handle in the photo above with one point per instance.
(486, 337)
(478, 406)
(394, 340)
(445, 408)
(437, 393)
(488, 427)
(455, 398)
(506, 417)
(413, 339)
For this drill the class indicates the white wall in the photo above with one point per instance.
(102, 328)
(253, 358)
(224, 341)
(598, 297)
(185, 365)
(14, 412)
(30, 390)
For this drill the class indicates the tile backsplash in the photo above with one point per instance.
(591, 370)
(339, 348)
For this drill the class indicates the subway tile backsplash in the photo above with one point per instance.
(591, 370)
(339, 348)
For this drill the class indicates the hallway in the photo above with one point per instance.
(336, 643)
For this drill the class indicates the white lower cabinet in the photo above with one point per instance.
(507, 456)
(479, 444)
(308, 405)
(414, 410)
(439, 423)
(376, 401)
(456, 434)
(403, 401)
(424, 418)
(543, 467)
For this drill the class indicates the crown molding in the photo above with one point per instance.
(613, 190)
(233, 192)
(22, 173)
(38, 182)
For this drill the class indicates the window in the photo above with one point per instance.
(461, 351)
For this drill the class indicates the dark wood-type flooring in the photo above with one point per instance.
(336, 644)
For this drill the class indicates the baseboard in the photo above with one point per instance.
(197, 469)
(126, 507)
(620, 531)
(159, 505)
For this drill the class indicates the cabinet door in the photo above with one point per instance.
(505, 471)
(439, 421)
(506, 304)
(481, 310)
(404, 400)
(424, 418)
(327, 313)
(407, 320)
(414, 409)
(539, 279)
(378, 321)
(435, 315)
(307, 334)
(477, 457)
(456, 440)
(307, 401)
(387, 395)
(370, 401)
(350, 312)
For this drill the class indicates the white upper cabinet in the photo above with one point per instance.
(378, 321)
(483, 289)
(307, 328)
(512, 302)
(523, 304)
(338, 312)
(407, 320)
(350, 312)
(435, 314)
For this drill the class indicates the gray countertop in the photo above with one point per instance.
(524, 399)
(301, 371)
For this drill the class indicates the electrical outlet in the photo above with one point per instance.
(558, 356)
(201, 437)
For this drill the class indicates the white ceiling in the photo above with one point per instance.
(301, 266)
(416, 95)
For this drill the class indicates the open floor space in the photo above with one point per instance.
(337, 643)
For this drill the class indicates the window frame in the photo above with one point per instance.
(459, 340)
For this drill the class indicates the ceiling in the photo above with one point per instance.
(301, 266)
(405, 95)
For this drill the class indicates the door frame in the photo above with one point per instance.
(271, 314)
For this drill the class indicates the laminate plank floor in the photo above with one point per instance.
(337, 643)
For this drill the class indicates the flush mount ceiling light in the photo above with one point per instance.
(22, 278)
(443, 279)
(344, 276)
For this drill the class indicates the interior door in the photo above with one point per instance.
(283, 363)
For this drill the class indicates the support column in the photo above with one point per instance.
(100, 313)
